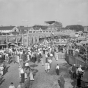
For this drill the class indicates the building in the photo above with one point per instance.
(7, 29)
(36, 33)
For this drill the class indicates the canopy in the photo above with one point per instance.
(84, 42)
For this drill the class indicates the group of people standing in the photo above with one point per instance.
(23, 56)
(77, 73)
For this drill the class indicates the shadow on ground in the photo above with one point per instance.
(6, 70)
(2, 80)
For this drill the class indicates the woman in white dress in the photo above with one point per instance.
(31, 76)
(50, 62)
(25, 76)
(18, 59)
(56, 56)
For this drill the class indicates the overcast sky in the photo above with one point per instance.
(31, 12)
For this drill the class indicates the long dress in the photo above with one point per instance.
(25, 75)
(18, 59)
(48, 66)
(45, 66)
(57, 70)
(56, 56)
(31, 76)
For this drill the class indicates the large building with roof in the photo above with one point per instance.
(32, 35)
(7, 29)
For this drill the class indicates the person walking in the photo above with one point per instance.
(31, 76)
(22, 75)
(56, 56)
(18, 59)
(74, 71)
(61, 81)
(79, 75)
(57, 69)
(12, 85)
(48, 67)
(50, 61)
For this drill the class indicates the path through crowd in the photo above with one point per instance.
(49, 80)
(42, 79)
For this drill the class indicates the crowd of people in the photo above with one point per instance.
(24, 55)
(40, 53)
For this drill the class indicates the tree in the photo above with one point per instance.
(75, 27)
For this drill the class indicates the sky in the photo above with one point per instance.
(33, 12)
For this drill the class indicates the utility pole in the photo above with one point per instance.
(6, 41)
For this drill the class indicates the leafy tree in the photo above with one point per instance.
(75, 27)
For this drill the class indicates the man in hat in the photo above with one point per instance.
(61, 81)
(57, 69)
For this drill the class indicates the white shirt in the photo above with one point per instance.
(21, 71)
(51, 55)
(57, 67)
(79, 69)
(27, 64)
(11, 86)
(77, 50)
(1, 68)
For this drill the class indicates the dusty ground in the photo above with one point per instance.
(49, 80)
(42, 79)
